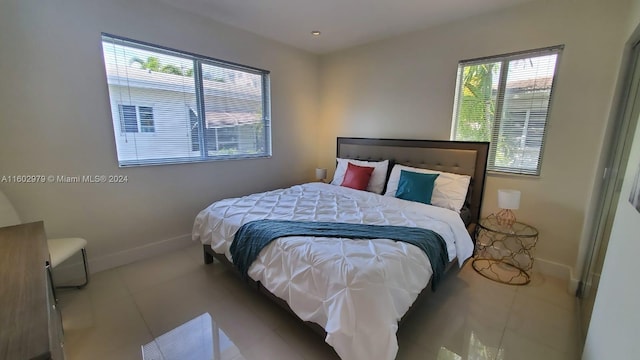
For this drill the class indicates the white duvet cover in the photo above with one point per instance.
(357, 290)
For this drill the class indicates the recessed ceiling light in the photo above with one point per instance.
(315, 33)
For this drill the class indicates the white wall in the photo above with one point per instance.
(614, 325)
(403, 87)
(633, 17)
(613, 331)
(55, 119)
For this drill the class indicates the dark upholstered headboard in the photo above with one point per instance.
(460, 157)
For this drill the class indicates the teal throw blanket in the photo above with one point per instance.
(253, 236)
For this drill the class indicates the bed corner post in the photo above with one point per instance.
(208, 258)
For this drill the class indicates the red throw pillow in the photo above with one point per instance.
(357, 177)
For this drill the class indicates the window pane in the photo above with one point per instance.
(139, 77)
(476, 101)
(505, 100)
(182, 107)
(527, 94)
(234, 111)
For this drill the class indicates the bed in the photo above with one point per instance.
(353, 292)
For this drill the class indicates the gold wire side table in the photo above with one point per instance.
(505, 253)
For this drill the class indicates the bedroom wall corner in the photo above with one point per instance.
(594, 203)
(403, 87)
(56, 120)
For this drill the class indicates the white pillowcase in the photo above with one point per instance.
(378, 177)
(450, 190)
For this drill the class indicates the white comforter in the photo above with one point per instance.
(357, 290)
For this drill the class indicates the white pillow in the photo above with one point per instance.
(450, 190)
(379, 175)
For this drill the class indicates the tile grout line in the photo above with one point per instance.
(135, 303)
(504, 329)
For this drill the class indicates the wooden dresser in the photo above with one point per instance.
(30, 323)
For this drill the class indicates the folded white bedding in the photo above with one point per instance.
(357, 290)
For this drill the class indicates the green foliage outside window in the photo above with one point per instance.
(153, 64)
(476, 113)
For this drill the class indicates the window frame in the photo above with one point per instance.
(504, 60)
(198, 60)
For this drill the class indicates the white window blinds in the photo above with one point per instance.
(505, 100)
(172, 107)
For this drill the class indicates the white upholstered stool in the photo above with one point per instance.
(59, 249)
(62, 249)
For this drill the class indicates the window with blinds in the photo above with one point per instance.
(505, 100)
(170, 106)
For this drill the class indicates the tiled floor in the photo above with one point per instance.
(469, 317)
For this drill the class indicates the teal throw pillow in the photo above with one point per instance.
(415, 186)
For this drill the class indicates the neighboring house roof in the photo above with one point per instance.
(531, 84)
(130, 76)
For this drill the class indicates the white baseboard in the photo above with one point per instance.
(139, 253)
(561, 271)
(105, 262)
(73, 269)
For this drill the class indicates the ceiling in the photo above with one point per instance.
(343, 23)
